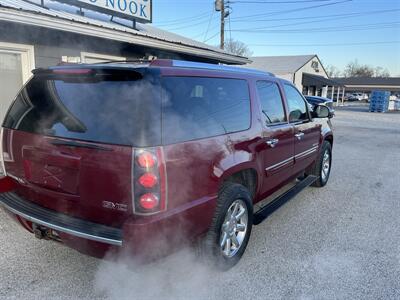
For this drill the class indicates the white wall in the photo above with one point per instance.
(287, 76)
(307, 68)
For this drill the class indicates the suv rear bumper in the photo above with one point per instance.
(145, 238)
(60, 222)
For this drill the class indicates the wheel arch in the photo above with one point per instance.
(329, 138)
(244, 174)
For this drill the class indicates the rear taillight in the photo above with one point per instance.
(149, 201)
(146, 159)
(149, 181)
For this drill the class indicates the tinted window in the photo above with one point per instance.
(197, 107)
(271, 102)
(118, 112)
(296, 104)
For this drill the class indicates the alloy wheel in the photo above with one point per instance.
(234, 228)
(326, 165)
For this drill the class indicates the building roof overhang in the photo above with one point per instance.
(22, 12)
(317, 80)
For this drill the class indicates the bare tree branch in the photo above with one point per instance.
(238, 48)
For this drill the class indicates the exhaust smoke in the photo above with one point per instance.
(178, 276)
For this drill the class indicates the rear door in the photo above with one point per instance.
(277, 135)
(306, 133)
(68, 140)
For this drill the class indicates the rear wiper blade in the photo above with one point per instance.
(78, 144)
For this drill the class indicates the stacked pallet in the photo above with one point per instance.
(397, 105)
(379, 101)
(394, 104)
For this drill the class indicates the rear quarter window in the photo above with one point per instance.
(199, 107)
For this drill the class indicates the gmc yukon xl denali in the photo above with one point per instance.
(140, 157)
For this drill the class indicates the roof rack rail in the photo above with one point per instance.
(188, 64)
(198, 65)
(139, 60)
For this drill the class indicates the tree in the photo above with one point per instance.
(381, 72)
(332, 71)
(238, 48)
(354, 69)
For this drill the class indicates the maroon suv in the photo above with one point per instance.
(145, 156)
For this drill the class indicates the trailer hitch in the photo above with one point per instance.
(45, 233)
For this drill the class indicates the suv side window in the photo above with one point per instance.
(201, 107)
(271, 102)
(296, 104)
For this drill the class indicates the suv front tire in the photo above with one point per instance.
(322, 166)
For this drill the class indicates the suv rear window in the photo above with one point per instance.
(200, 107)
(125, 112)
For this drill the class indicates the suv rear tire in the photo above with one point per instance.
(322, 166)
(229, 233)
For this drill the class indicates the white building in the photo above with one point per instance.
(305, 71)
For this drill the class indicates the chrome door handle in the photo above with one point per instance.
(272, 142)
(299, 135)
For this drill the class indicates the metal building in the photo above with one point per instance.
(368, 84)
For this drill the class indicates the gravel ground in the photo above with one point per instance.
(339, 242)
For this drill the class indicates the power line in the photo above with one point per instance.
(297, 23)
(184, 20)
(324, 29)
(291, 10)
(320, 17)
(213, 36)
(209, 23)
(279, 2)
(316, 21)
(187, 26)
(325, 45)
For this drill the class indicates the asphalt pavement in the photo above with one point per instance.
(337, 242)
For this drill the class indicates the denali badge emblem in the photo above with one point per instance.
(115, 206)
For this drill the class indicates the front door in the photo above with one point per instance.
(16, 63)
(306, 133)
(278, 148)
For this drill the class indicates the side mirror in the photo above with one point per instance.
(322, 111)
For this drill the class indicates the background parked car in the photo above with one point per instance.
(358, 97)
(316, 100)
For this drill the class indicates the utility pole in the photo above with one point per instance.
(222, 45)
(220, 6)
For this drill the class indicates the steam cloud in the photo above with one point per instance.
(179, 276)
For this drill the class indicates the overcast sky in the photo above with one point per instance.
(338, 31)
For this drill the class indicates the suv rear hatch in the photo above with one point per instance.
(68, 139)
